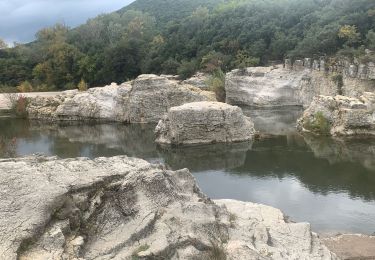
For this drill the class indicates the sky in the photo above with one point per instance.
(21, 19)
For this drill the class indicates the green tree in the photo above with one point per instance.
(350, 34)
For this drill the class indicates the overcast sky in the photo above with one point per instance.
(21, 19)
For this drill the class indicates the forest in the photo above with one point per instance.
(184, 36)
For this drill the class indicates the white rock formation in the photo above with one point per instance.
(203, 123)
(296, 85)
(198, 80)
(124, 208)
(151, 96)
(144, 100)
(340, 116)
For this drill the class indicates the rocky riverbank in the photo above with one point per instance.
(143, 100)
(126, 208)
(340, 116)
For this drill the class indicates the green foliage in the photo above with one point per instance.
(82, 85)
(370, 38)
(138, 250)
(187, 69)
(217, 84)
(350, 34)
(319, 124)
(180, 36)
(339, 80)
(25, 87)
(244, 60)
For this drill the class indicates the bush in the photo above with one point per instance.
(187, 69)
(217, 84)
(82, 86)
(339, 80)
(319, 125)
(20, 107)
(25, 87)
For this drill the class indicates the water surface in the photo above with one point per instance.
(327, 182)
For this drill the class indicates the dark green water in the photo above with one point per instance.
(329, 183)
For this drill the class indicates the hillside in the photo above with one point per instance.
(167, 10)
(183, 36)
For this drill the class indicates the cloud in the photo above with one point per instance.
(21, 19)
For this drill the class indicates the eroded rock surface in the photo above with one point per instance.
(340, 116)
(151, 96)
(126, 208)
(198, 80)
(204, 122)
(279, 85)
(144, 100)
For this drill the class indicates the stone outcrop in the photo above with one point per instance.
(340, 116)
(144, 100)
(151, 96)
(126, 208)
(263, 87)
(198, 80)
(202, 123)
(297, 83)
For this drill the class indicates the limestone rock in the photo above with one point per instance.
(144, 100)
(202, 123)
(126, 208)
(199, 80)
(264, 87)
(151, 96)
(340, 115)
(104, 104)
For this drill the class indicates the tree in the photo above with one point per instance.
(3, 44)
(350, 34)
(371, 40)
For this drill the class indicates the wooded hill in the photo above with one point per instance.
(183, 36)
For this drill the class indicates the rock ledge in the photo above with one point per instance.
(126, 208)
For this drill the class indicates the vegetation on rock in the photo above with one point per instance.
(319, 125)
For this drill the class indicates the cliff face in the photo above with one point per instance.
(298, 83)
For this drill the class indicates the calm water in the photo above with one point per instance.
(329, 183)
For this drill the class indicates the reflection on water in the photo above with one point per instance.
(328, 182)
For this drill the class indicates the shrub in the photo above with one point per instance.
(187, 69)
(217, 84)
(25, 87)
(82, 86)
(21, 107)
(339, 80)
(319, 125)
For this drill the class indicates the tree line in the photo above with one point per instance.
(182, 37)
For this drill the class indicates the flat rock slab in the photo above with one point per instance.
(352, 247)
(126, 208)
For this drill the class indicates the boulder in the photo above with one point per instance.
(102, 103)
(151, 96)
(340, 116)
(126, 208)
(202, 123)
(144, 100)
